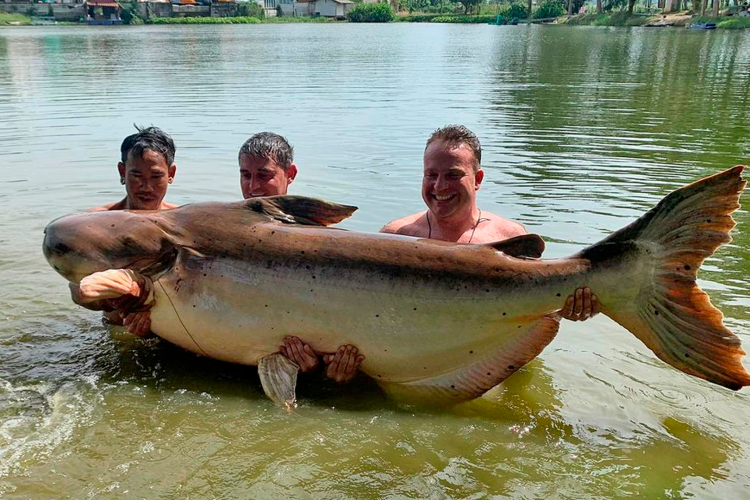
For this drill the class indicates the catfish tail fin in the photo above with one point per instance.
(669, 312)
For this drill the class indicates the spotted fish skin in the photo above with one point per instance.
(436, 321)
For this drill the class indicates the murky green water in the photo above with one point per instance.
(583, 129)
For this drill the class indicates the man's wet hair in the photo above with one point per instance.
(458, 134)
(269, 146)
(148, 139)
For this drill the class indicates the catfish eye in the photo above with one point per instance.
(61, 248)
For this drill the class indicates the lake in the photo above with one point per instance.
(583, 129)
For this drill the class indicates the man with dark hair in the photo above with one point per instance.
(451, 178)
(146, 169)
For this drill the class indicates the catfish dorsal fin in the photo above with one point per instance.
(526, 246)
(300, 210)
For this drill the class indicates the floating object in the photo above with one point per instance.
(437, 321)
(703, 26)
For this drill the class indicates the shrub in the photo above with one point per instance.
(550, 9)
(734, 23)
(7, 18)
(371, 13)
(204, 20)
(250, 9)
(516, 10)
(463, 19)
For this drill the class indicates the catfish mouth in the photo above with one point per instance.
(74, 263)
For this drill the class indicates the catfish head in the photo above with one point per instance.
(81, 244)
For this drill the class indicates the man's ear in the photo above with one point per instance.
(478, 176)
(121, 169)
(172, 170)
(291, 172)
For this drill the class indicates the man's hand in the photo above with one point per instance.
(138, 323)
(343, 365)
(581, 306)
(300, 353)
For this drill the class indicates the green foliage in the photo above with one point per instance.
(250, 9)
(517, 10)
(550, 8)
(463, 19)
(734, 23)
(130, 13)
(297, 19)
(417, 18)
(470, 5)
(371, 13)
(6, 19)
(205, 20)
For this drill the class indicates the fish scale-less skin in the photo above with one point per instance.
(240, 321)
(434, 319)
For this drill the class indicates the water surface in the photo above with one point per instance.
(583, 129)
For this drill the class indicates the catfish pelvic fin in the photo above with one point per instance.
(300, 210)
(278, 376)
(526, 246)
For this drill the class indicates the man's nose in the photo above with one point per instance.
(440, 182)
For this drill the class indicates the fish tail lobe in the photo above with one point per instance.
(668, 311)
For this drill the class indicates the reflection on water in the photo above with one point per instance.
(583, 129)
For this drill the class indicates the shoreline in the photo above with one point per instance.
(616, 19)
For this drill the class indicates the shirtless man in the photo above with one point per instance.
(451, 178)
(267, 169)
(146, 170)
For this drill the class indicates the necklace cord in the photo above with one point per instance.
(473, 230)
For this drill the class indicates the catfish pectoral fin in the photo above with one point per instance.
(278, 376)
(122, 289)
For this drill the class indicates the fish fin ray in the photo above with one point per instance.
(278, 376)
(526, 246)
(671, 315)
(469, 382)
(300, 210)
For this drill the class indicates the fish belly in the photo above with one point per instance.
(230, 311)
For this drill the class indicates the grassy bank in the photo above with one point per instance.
(679, 20)
(13, 19)
(300, 19)
(725, 23)
(613, 19)
(237, 20)
(204, 20)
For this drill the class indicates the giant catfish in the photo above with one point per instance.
(436, 321)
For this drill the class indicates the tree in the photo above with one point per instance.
(716, 8)
(469, 4)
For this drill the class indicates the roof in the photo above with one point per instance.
(103, 3)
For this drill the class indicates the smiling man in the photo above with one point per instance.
(451, 177)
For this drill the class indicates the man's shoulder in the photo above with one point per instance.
(405, 225)
(499, 228)
(115, 205)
